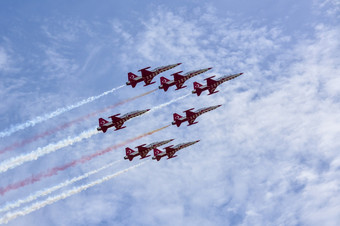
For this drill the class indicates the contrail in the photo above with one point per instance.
(16, 161)
(167, 103)
(34, 155)
(53, 171)
(68, 124)
(53, 114)
(48, 191)
(52, 199)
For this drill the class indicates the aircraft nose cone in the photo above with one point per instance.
(241, 73)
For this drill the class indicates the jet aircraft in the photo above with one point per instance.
(118, 121)
(191, 115)
(212, 84)
(143, 150)
(170, 151)
(147, 75)
(179, 79)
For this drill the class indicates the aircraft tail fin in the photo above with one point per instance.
(177, 120)
(197, 88)
(102, 121)
(101, 124)
(164, 84)
(129, 151)
(131, 78)
(164, 80)
(156, 153)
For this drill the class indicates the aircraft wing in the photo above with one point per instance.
(177, 76)
(212, 89)
(144, 153)
(171, 154)
(191, 121)
(145, 72)
(179, 84)
(210, 81)
(179, 79)
(189, 113)
(118, 125)
(148, 80)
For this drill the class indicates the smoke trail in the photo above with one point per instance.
(34, 155)
(53, 114)
(16, 161)
(68, 124)
(166, 104)
(52, 199)
(47, 191)
(53, 171)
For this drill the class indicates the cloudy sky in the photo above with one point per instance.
(268, 156)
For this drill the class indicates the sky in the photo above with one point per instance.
(268, 156)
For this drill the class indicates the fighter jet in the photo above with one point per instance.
(191, 116)
(147, 75)
(143, 150)
(118, 121)
(170, 151)
(212, 84)
(179, 79)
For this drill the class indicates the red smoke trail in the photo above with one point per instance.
(68, 124)
(86, 158)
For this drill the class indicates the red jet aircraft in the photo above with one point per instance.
(179, 79)
(143, 151)
(212, 84)
(147, 75)
(170, 151)
(191, 116)
(118, 121)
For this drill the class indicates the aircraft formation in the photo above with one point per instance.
(190, 116)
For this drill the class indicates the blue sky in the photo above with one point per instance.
(268, 156)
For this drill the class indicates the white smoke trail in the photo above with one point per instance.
(167, 103)
(53, 114)
(52, 199)
(34, 155)
(47, 191)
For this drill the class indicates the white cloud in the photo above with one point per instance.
(6, 59)
(274, 138)
(268, 156)
(3, 59)
(332, 7)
